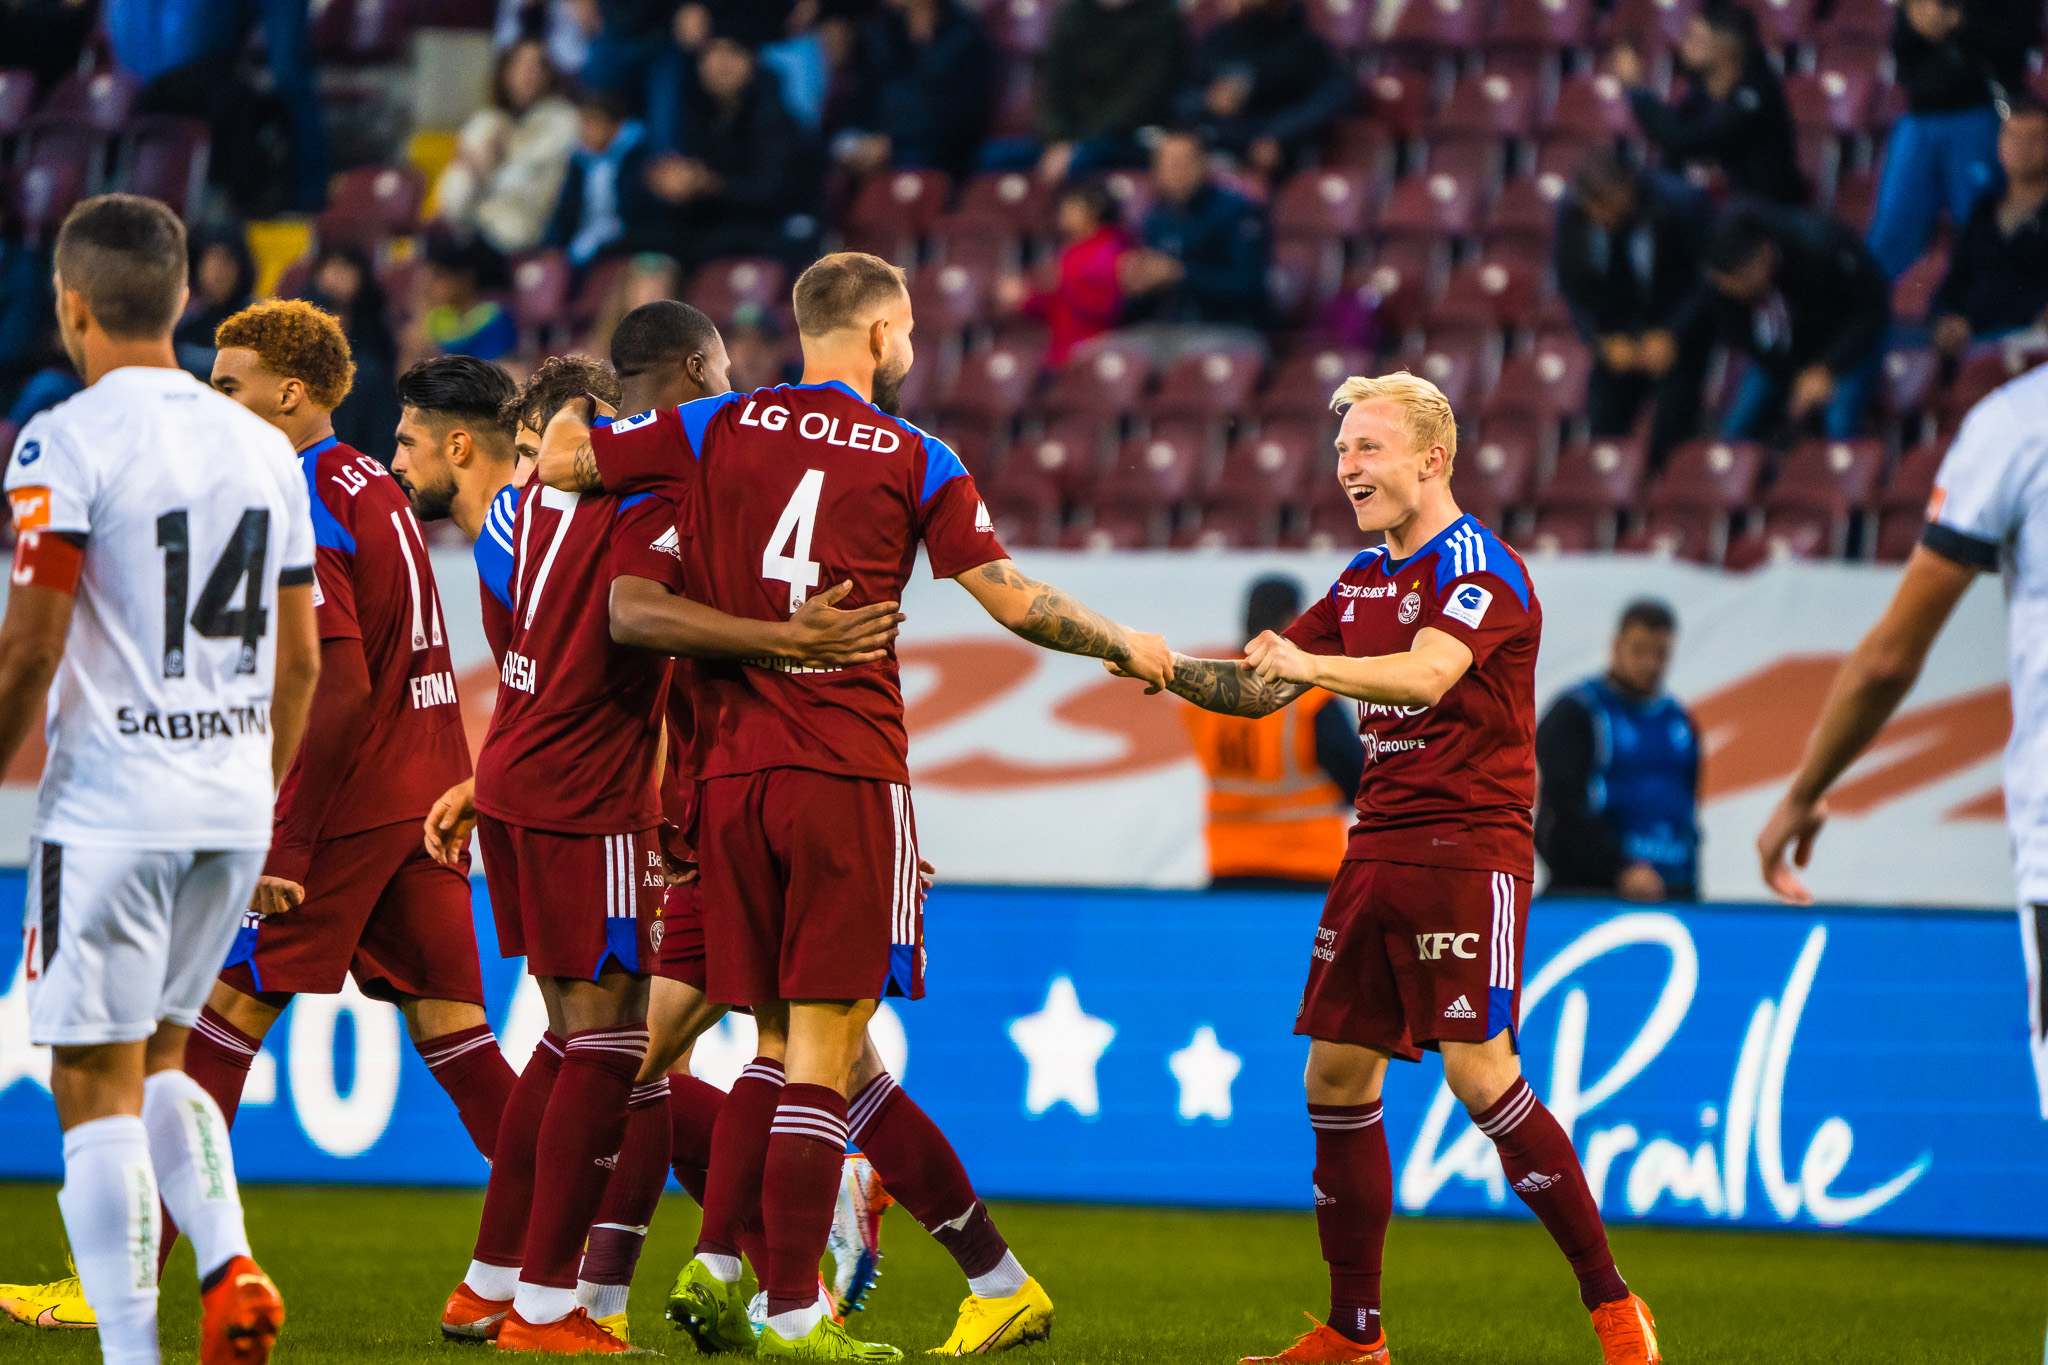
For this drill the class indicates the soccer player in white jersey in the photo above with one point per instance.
(163, 599)
(1989, 514)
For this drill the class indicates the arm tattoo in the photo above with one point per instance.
(587, 479)
(1229, 686)
(1056, 621)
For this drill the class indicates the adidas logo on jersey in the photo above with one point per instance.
(669, 543)
(1534, 1181)
(1461, 1008)
(1321, 1198)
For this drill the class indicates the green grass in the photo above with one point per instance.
(364, 1273)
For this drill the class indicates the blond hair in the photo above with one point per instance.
(1426, 413)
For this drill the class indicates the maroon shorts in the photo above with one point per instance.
(679, 935)
(570, 903)
(378, 907)
(810, 888)
(1408, 956)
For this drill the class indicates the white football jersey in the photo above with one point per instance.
(192, 510)
(1990, 510)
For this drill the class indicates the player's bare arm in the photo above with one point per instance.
(298, 673)
(567, 460)
(1867, 690)
(1419, 677)
(31, 646)
(819, 634)
(1047, 617)
(1230, 687)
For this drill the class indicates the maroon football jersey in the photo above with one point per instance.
(1450, 785)
(789, 490)
(374, 582)
(576, 732)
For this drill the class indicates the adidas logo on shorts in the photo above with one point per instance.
(1534, 1181)
(1321, 1198)
(1461, 1008)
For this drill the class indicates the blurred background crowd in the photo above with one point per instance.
(1709, 279)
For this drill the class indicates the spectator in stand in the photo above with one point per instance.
(923, 75)
(460, 318)
(754, 343)
(1627, 255)
(746, 180)
(1111, 67)
(223, 282)
(1199, 278)
(1084, 298)
(606, 206)
(647, 278)
(1733, 118)
(784, 38)
(1618, 768)
(189, 53)
(627, 43)
(1804, 299)
(564, 27)
(342, 283)
(1266, 86)
(1957, 61)
(1997, 279)
(511, 155)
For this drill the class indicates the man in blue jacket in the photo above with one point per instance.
(1205, 249)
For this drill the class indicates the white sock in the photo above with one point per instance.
(494, 1282)
(1006, 1279)
(725, 1269)
(195, 1167)
(543, 1303)
(797, 1322)
(602, 1300)
(109, 1206)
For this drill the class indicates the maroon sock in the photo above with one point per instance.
(1545, 1171)
(476, 1076)
(633, 1190)
(799, 1185)
(218, 1056)
(693, 1107)
(1354, 1185)
(501, 1232)
(580, 1137)
(739, 1150)
(919, 1167)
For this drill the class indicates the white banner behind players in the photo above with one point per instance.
(1036, 768)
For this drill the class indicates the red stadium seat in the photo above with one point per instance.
(1526, 209)
(1909, 375)
(293, 279)
(1207, 384)
(1104, 382)
(1580, 504)
(992, 385)
(1010, 202)
(1067, 454)
(1023, 504)
(1434, 203)
(950, 297)
(64, 145)
(1540, 27)
(371, 203)
(1157, 469)
(1858, 21)
(599, 280)
(1496, 293)
(359, 32)
(43, 195)
(1690, 508)
(1401, 280)
(1328, 521)
(1107, 529)
(976, 449)
(1303, 382)
(1323, 203)
(1272, 466)
(101, 100)
(1984, 370)
(1480, 159)
(1440, 26)
(1783, 23)
(1363, 144)
(1491, 479)
(1855, 197)
(894, 209)
(1550, 378)
(1401, 102)
(540, 294)
(1913, 291)
(1229, 524)
(1495, 104)
(1345, 24)
(1302, 277)
(1658, 23)
(1456, 364)
(1020, 26)
(721, 287)
(165, 158)
(1902, 507)
(1822, 484)
(1838, 101)
(17, 98)
(1592, 107)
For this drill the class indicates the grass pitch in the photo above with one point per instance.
(364, 1273)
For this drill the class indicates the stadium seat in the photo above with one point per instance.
(721, 287)
(977, 450)
(1227, 523)
(17, 98)
(1302, 277)
(950, 298)
(540, 295)
(587, 298)
(992, 385)
(1303, 381)
(1858, 21)
(1434, 204)
(360, 32)
(1902, 507)
(293, 279)
(1580, 505)
(1107, 529)
(371, 203)
(1370, 145)
(1455, 363)
(1822, 486)
(1593, 108)
(1481, 158)
(1494, 104)
(1067, 453)
(1529, 31)
(101, 100)
(1783, 23)
(1345, 24)
(1400, 102)
(1008, 202)
(1023, 504)
(1323, 203)
(1207, 385)
(1648, 23)
(1984, 369)
(1156, 470)
(1327, 521)
(1492, 479)
(1526, 210)
(400, 280)
(1854, 200)
(66, 146)
(1400, 281)
(1689, 509)
(1497, 293)
(1913, 291)
(1439, 28)
(1020, 27)
(1273, 465)
(165, 158)
(43, 195)
(895, 209)
(1104, 382)
(1835, 100)
(1549, 378)
(1909, 375)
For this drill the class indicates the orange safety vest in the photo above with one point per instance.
(1272, 811)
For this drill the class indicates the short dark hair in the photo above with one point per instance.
(126, 254)
(838, 290)
(1726, 16)
(559, 379)
(1094, 196)
(664, 332)
(1649, 613)
(1272, 604)
(1735, 241)
(605, 102)
(452, 389)
(2024, 104)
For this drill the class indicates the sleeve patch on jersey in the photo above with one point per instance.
(635, 422)
(30, 452)
(1468, 603)
(31, 507)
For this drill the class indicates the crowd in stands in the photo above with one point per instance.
(1707, 278)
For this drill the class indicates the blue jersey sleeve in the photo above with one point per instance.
(494, 558)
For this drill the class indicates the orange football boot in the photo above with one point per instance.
(575, 1335)
(1628, 1334)
(1323, 1344)
(239, 1316)
(470, 1316)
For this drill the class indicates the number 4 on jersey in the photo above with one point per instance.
(799, 519)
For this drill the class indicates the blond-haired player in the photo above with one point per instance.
(1420, 945)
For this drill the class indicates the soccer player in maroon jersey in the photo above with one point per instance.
(1420, 944)
(807, 844)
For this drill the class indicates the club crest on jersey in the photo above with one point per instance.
(1411, 607)
(639, 420)
(1468, 604)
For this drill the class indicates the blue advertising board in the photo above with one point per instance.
(1750, 1066)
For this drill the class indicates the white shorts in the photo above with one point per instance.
(117, 939)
